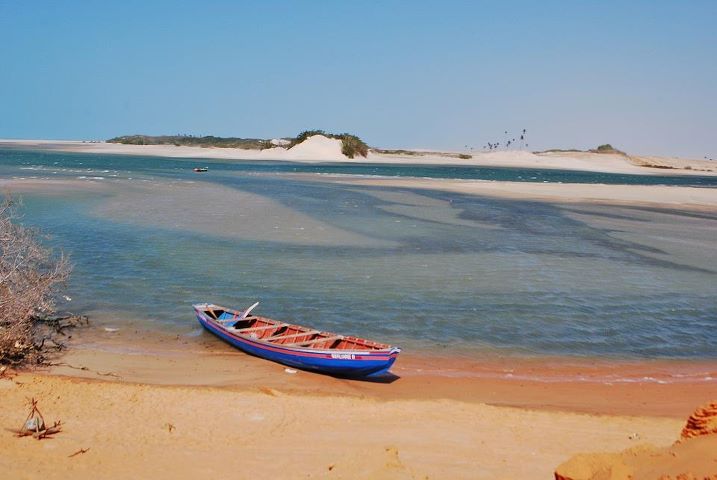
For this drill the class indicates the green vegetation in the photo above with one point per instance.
(192, 141)
(560, 150)
(305, 135)
(414, 153)
(607, 148)
(351, 145)
(383, 151)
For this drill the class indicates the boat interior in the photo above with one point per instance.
(278, 333)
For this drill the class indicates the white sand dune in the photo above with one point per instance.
(314, 149)
(318, 149)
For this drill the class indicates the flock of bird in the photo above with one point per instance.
(506, 143)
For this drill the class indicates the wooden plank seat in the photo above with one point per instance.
(256, 329)
(295, 335)
(316, 340)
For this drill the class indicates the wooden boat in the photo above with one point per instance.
(297, 346)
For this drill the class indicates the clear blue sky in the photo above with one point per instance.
(641, 75)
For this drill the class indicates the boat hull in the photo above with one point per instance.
(342, 363)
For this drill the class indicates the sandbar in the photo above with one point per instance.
(321, 149)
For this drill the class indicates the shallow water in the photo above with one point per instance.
(44, 164)
(422, 269)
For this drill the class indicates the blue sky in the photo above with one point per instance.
(641, 75)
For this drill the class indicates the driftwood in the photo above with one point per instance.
(44, 338)
(59, 323)
(83, 368)
(35, 424)
(80, 451)
(65, 364)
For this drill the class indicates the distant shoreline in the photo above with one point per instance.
(321, 149)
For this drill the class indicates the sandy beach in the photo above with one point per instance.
(322, 149)
(130, 400)
(137, 430)
(225, 411)
(138, 354)
(655, 195)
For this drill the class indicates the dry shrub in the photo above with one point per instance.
(30, 274)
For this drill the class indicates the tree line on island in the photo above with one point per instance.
(351, 145)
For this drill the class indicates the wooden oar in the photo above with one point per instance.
(247, 311)
(234, 319)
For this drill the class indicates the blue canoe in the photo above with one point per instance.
(297, 346)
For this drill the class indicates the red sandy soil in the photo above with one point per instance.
(692, 457)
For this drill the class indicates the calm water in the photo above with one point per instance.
(44, 164)
(420, 269)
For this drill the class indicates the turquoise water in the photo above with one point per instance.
(421, 269)
(121, 166)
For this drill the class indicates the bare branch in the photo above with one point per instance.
(30, 275)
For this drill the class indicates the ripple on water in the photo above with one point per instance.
(425, 270)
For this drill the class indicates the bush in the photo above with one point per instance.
(384, 151)
(351, 145)
(304, 135)
(29, 277)
(465, 156)
(192, 141)
(607, 148)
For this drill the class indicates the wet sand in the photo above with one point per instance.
(588, 385)
(649, 195)
(135, 400)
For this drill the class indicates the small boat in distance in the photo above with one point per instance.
(297, 346)
(200, 169)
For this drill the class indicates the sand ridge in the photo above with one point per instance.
(322, 149)
(664, 195)
(692, 457)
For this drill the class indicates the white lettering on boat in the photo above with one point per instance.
(344, 356)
